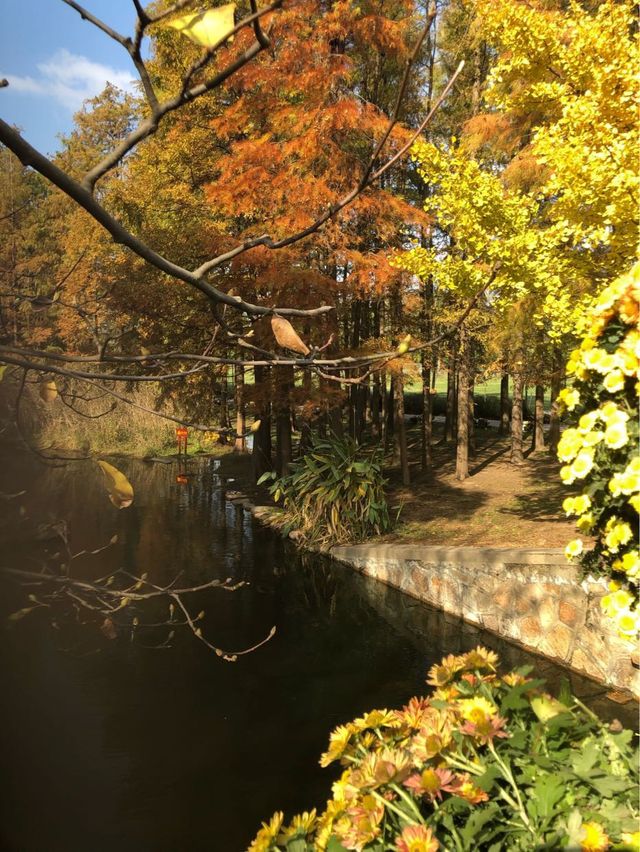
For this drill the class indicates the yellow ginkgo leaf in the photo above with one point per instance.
(404, 345)
(48, 391)
(546, 707)
(119, 488)
(206, 28)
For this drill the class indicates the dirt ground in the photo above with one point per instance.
(499, 504)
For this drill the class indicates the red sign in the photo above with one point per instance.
(181, 432)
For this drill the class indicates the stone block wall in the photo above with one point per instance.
(532, 597)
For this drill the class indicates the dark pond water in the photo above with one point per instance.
(109, 744)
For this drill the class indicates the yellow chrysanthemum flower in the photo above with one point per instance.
(574, 548)
(619, 534)
(614, 381)
(616, 436)
(569, 445)
(588, 421)
(569, 397)
(301, 823)
(631, 841)
(476, 709)
(616, 602)
(586, 523)
(630, 564)
(267, 834)
(582, 464)
(611, 414)
(592, 439)
(338, 742)
(582, 503)
(593, 838)
(626, 482)
(597, 359)
(627, 624)
(627, 362)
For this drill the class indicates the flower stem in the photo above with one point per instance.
(390, 805)
(409, 800)
(508, 776)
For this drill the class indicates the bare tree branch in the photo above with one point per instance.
(187, 92)
(91, 596)
(18, 356)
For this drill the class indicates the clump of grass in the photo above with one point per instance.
(334, 492)
(87, 421)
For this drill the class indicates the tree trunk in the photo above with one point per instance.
(400, 427)
(504, 405)
(537, 443)
(426, 432)
(462, 441)
(517, 452)
(426, 453)
(375, 407)
(389, 414)
(360, 411)
(238, 375)
(225, 422)
(472, 418)
(554, 425)
(261, 453)
(284, 444)
(451, 401)
(384, 402)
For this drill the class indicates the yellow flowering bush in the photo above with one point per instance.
(485, 762)
(601, 450)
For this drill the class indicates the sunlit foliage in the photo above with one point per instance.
(600, 451)
(485, 762)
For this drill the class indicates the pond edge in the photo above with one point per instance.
(530, 596)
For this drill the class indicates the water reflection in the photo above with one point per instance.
(117, 746)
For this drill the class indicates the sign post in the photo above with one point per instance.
(181, 437)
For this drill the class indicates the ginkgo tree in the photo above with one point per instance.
(543, 179)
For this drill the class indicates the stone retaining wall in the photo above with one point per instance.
(532, 597)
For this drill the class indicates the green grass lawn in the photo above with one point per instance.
(489, 387)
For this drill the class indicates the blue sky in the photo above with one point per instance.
(54, 60)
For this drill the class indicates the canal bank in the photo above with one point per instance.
(532, 597)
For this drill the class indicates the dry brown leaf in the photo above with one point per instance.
(287, 337)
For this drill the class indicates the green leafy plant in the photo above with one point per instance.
(486, 763)
(601, 448)
(334, 492)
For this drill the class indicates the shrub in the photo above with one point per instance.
(601, 448)
(487, 763)
(334, 492)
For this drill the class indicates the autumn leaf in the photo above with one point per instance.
(545, 707)
(17, 616)
(404, 345)
(206, 28)
(109, 628)
(287, 337)
(119, 488)
(48, 391)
